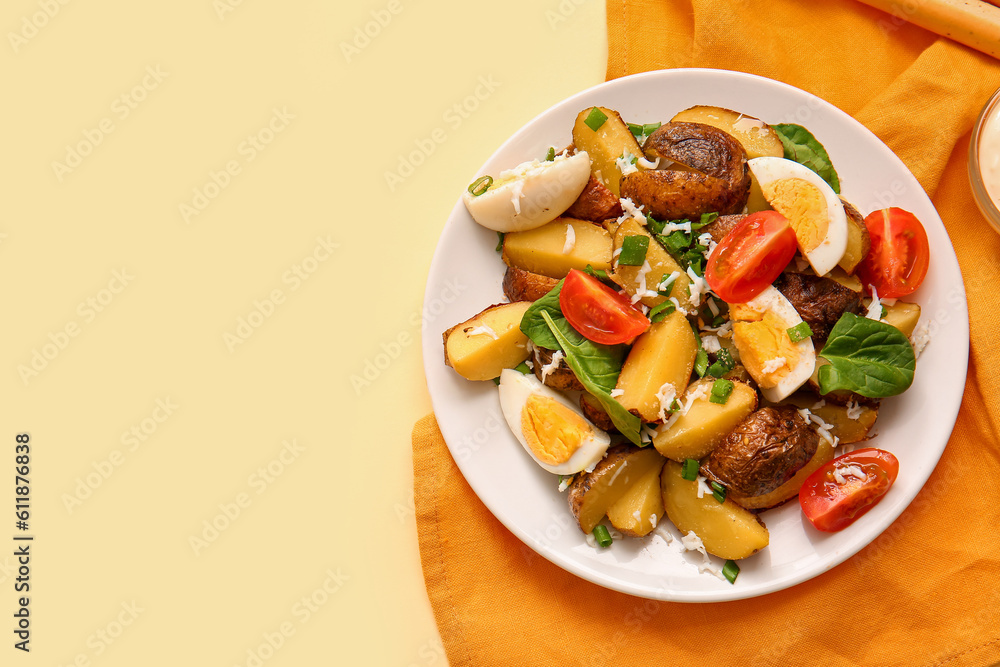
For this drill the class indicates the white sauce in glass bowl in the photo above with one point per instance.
(989, 154)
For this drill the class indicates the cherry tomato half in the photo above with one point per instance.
(843, 490)
(751, 256)
(598, 312)
(897, 261)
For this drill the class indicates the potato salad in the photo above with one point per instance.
(696, 324)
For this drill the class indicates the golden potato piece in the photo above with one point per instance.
(858, 241)
(757, 137)
(847, 430)
(521, 285)
(606, 145)
(904, 316)
(591, 494)
(563, 244)
(695, 434)
(726, 529)
(664, 354)
(481, 347)
(640, 509)
(661, 266)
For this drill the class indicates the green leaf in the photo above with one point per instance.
(868, 357)
(801, 146)
(598, 374)
(532, 324)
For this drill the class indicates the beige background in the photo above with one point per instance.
(184, 309)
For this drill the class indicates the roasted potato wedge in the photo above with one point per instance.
(596, 203)
(561, 377)
(695, 434)
(858, 241)
(595, 412)
(521, 285)
(665, 353)
(563, 244)
(484, 345)
(605, 145)
(790, 489)
(763, 452)
(591, 494)
(726, 529)
(757, 137)
(716, 177)
(904, 316)
(848, 431)
(637, 513)
(721, 226)
(661, 265)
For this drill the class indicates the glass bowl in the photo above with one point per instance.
(980, 165)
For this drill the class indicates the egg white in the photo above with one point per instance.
(531, 194)
(831, 249)
(515, 388)
(774, 301)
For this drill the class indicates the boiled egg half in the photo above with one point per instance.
(813, 209)
(760, 333)
(548, 426)
(531, 194)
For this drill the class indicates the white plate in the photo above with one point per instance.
(465, 277)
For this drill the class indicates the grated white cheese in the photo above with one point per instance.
(853, 410)
(682, 409)
(841, 473)
(647, 433)
(801, 263)
(773, 365)
(725, 331)
(631, 211)
(652, 520)
(616, 392)
(692, 542)
(570, 240)
(668, 281)
(703, 487)
(921, 336)
(698, 287)
(677, 227)
(626, 164)
(711, 344)
(565, 482)
(637, 515)
(822, 427)
(516, 192)
(640, 280)
(481, 330)
(665, 396)
(646, 164)
(875, 307)
(819, 404)
(553, 364)
(712, 307)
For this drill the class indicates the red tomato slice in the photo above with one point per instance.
(833, 503)
(897, 261)
(598, 312)
(751, 256)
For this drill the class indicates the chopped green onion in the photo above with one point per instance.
(723, 364)
(649, 128)
(595, 119)
(635, 129)
(551, 155)
(660, 312)
(706, 219)
(800, 332)
(602, 536)
(885, 311)
(701, 363)
(721, 389)
(496, 381)
(653, 224)
(603, 276)
(480, 185)
(689, 470)
(730, 571)
(718, 321)
(500, 236)
(719, 492)
(677, 240)
(633, 250)
(523, 368)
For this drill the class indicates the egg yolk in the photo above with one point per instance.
(760, 343)
(805, 207)
(552, 430)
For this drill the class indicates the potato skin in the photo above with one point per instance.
(763, 452)
(717, 178)
(596, 413)
(596, 203)
(562, 378)
(521, 285)
(722, 225)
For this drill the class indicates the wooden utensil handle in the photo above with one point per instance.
(971, 22)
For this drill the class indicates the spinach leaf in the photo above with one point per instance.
(598, 374)
(801, 146)
(868, 357)
(532, 324)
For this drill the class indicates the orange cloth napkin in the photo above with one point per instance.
(926, 592)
